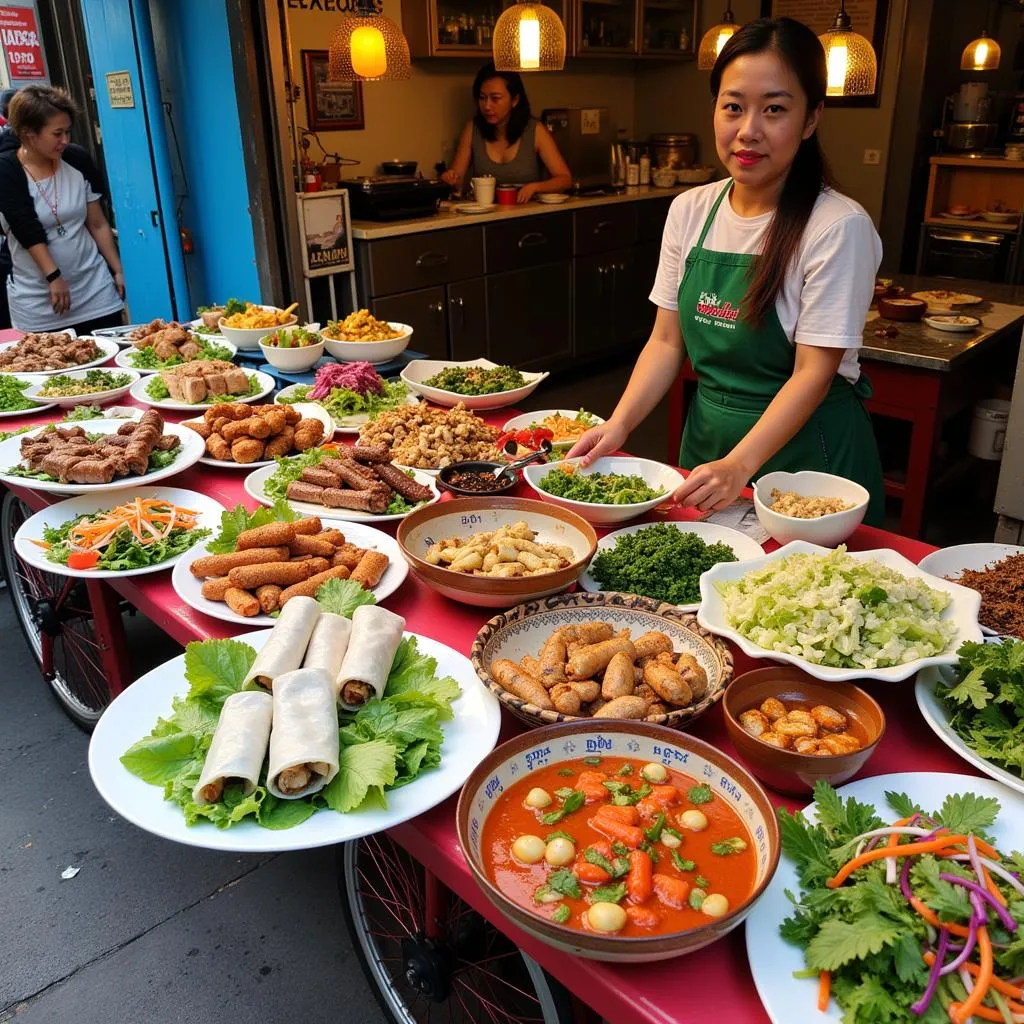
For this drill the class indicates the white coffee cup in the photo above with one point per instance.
(483, 190)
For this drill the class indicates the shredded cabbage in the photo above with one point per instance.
(839, 611)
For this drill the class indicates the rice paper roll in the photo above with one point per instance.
(376, 634)
(304, 745)
(286, 646)
(328, 644)
(238, 747)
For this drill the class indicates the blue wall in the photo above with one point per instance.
(193, 53)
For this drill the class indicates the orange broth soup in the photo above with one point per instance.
(640, 836)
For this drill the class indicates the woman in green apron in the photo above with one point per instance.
(765, 283)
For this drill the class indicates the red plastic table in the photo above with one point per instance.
(710, 986)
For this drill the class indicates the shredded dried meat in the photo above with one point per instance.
(1001, 586)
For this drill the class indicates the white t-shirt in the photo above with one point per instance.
(829, 287)
(81, 264)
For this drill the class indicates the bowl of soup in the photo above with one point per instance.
(626, 842)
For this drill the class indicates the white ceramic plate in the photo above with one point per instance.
(54, 515)
(107, 349)
(189, 452)
(523, 422)
(29, 379)
(962, 611)
(308, 410)
(552, 198)
(420, 370)
(467, 738)
(347, 425)
(789, 1000)
(189, 588)
(936, 715)
(138, 392)
(743, 547)
(469, 208)
(950, 322)
(94, 398)
(123, 359)
(254, 488)
(655, 474)
(954, 560)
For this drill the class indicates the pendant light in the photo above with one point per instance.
(981, 54)
(367, 47)
(529, 37)
(715, 38)
(849, 59)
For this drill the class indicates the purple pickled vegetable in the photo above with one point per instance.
(983, 895)
(905, 880)
(933, 978)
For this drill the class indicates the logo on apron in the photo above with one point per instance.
(715, 313)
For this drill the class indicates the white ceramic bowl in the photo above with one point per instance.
(655, 474)
(420, 370)
(664, 177)
(249, 337)
(695, 175)
(293, 360)
(370, 351)
(93, 398)
(962, 611)
(827, 530)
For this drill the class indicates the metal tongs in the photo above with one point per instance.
(509, 449)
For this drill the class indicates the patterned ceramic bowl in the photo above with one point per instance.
(640, 740)
(522, 631)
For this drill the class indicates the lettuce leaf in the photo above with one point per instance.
(343, 597)
(215, 669)
(363, 766)
(240, 519)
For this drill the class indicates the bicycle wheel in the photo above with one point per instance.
(467, 973)
(56, 618)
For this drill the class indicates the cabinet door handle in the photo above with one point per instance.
(430, 260)
(603, 225)
(456, 300)
(532, 240)
(436, 307)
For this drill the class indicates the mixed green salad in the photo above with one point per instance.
(146, 358)
(157, 389)
(838, 610)
(658, 561)
(343, 402)
(598, 488)
(985, 701)
(477, 380)
(292, 337)
(387, 744)
(11, 397)
(63, 385)
(925, 933)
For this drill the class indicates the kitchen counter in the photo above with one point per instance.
(369, 230)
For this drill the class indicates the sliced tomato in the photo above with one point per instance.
(83, 559)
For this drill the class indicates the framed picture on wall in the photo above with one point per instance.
(330, 106)
(869, 18)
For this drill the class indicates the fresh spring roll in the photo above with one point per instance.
(286, 645)
(328, 644)
(304, 745)
(376, 634)
(238, 747)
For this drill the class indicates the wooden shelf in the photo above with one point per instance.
(974, 225)
(987, 162)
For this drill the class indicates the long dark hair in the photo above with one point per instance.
(801, 50)
(520, 111)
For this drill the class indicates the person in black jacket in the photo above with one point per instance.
(66, 268)
(7, 139)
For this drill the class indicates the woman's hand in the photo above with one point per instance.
(452, 177)
(119, 283)
(60, 296)
(527, 192)
(712, 486)
(597, 441)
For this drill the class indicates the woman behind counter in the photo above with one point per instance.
(765, 282)
(506, 142)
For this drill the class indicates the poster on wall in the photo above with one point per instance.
(22, 47)
(326, 233)
(867, 17)
(330, 106)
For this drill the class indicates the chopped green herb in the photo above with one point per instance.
(653, 833)
(608, 893)
(699, 795)
(620, 849)
(592, 761)
(561, 914)
(564, 793)
(649, 850)
(565, 882)
(626, 769)
(573, 802)
(626, 798)
(680, 863)
(598, 859)
(617, 787)
(559, 835)
(566, 773)
(727, 846)
(673, 833)
(697, 898)
(701, 882)
(545, 894)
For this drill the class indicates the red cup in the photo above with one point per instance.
(507, 195)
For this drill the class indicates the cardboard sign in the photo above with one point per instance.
(119, 88)
(326, 233)
(19, 37)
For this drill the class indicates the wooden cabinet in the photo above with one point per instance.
(610, 305)
(529, 316)
(467, 319)
(668, 28)
(427, 310)
(602, 228)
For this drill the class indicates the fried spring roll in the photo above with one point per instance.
(694, 676)
(586, 662)
(622, 707)
(650, 644)
(348, 555)
(215, 589)
(509, 676)
(371, 453)
(269, 597)
(309, 545)
(268, 536)
(552, 660)
(370, 569)
(241, 602)
(667, 683)
(309, 587)
(284, 574)
(565, 699)
(309, 525)
(588, 632)
(335, 537)
(618, 677)
(586, 689)
(221, 565)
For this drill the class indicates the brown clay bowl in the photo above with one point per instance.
(522, 631)
(903, 309)
(466, 516)
(639, 741)
(785, 770)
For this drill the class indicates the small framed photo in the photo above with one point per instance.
(330, 106)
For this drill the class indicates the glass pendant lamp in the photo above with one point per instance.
(981, 54)
(849, 59)
(368, 47)
(715, 38)
(529, 37)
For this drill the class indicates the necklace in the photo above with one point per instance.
(45, 196)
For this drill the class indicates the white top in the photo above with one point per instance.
(828, 290)
(81, 264)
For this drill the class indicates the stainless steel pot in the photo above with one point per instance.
(971, 136)
(403, 168)
(677, 150)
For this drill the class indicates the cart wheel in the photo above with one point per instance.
(55, 616)
(469, 974)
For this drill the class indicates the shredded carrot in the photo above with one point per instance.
(1012, 992)
(991, 886)
(983, 982)
(982, 1011)
(824, 989)
(906, 850)
(149, 520)
(933, 919)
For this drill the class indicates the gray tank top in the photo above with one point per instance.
(525, 167)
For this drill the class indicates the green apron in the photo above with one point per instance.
(740, 369)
